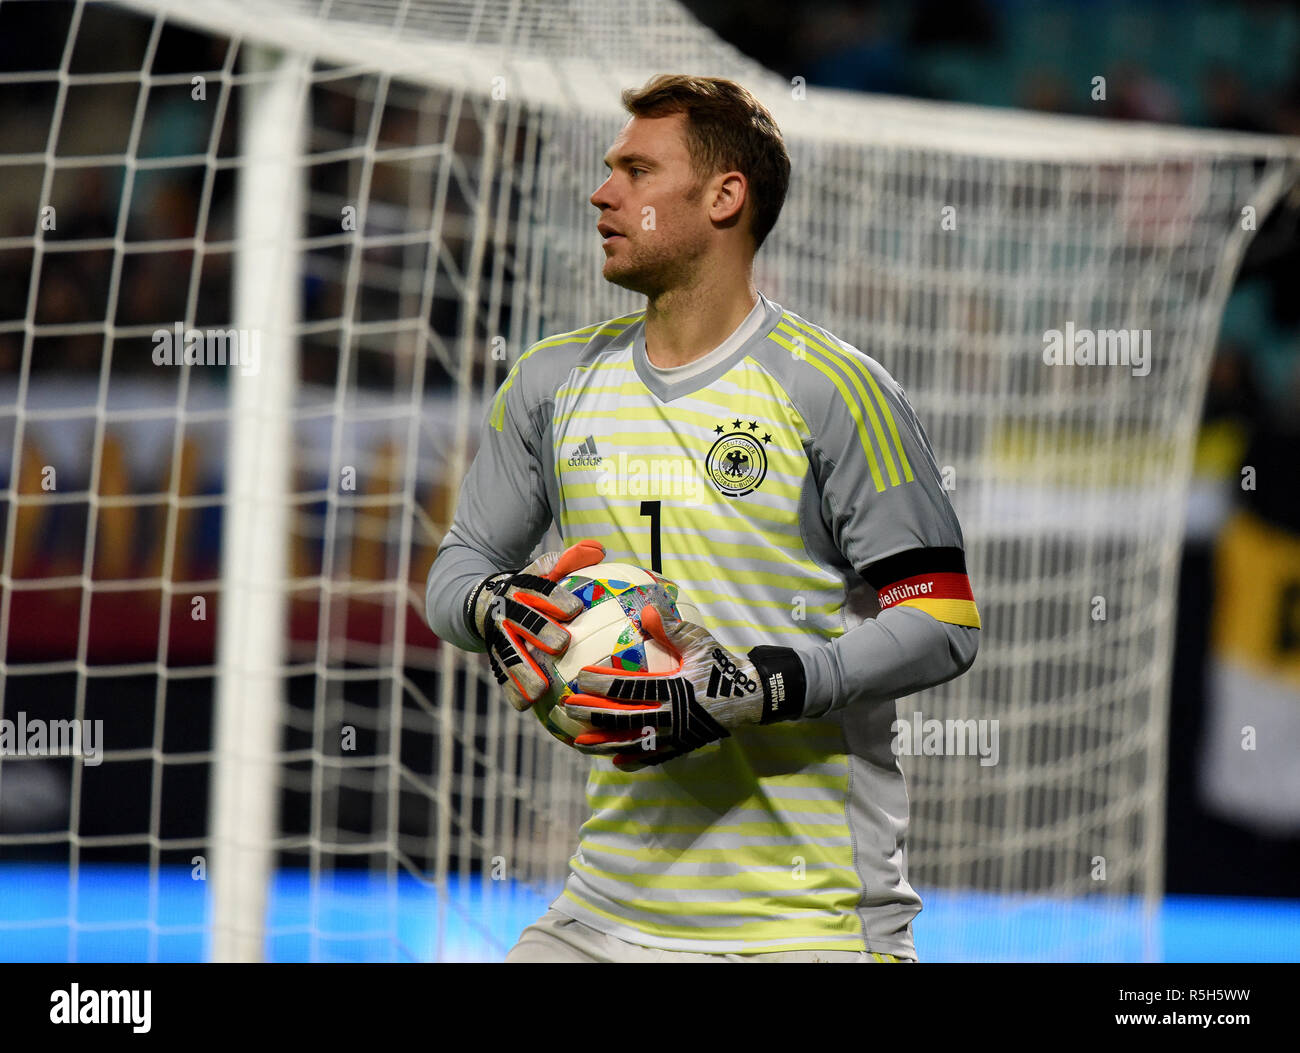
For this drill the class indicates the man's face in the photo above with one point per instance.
(655, 203)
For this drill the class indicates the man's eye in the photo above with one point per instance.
(634, 171)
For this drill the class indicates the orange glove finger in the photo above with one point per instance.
(601, 702)
(652, 622)
(599, 738)
(583, 554)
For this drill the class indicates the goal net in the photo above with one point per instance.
(261, 266)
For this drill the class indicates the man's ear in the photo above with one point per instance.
(730, 192)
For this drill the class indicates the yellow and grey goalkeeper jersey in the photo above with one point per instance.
(784, 472)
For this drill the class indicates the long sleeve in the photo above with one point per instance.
(885, 658)
(883, 508)
(501, 514)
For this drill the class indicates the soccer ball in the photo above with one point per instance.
(607, 632)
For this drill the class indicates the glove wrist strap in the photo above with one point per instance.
(785, 684)
(471, 601)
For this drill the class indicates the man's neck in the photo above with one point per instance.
(687, 323)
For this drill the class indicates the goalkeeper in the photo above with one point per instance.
(746, 805)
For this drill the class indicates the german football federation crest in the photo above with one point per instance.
(737, 462)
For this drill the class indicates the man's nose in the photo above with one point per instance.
(600, 197)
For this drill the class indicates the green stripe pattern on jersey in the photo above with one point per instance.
(743, 846)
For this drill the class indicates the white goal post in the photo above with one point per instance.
(391, 197)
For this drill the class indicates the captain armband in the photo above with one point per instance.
(933, 580)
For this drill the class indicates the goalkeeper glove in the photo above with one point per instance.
(647, 718)
(514, 609)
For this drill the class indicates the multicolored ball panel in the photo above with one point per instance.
(608, 634)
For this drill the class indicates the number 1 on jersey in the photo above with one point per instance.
(651, 509)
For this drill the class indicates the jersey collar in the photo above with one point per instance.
(666, 390)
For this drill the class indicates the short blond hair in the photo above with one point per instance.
(727, 129)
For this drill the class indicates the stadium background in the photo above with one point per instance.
(1219, 65)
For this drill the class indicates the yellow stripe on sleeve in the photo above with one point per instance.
(954, 612)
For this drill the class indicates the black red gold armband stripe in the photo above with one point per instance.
(933, 580)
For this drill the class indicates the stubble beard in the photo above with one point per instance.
(652, 277)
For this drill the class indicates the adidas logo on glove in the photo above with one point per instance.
(726, 680)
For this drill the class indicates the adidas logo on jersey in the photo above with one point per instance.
(585, 456)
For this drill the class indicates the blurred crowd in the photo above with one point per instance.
(1205, 63)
